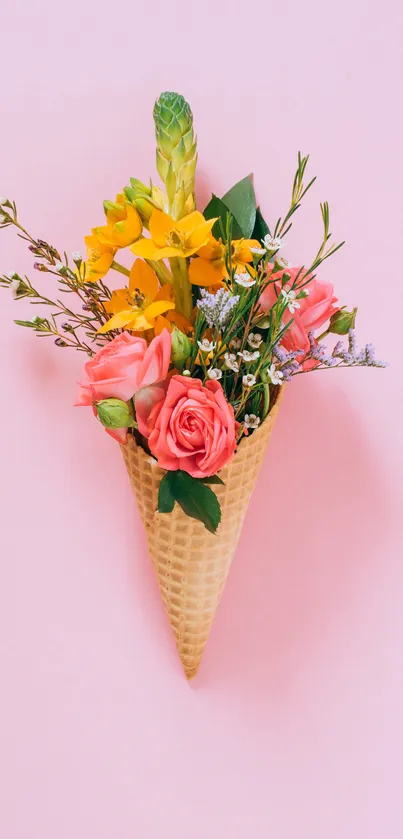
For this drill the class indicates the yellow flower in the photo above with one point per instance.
(138, 306)
(171, 238)
(209, 269)
(99, 258)
(123, 225)
(170, 320)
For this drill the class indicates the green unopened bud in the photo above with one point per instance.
(144, 199)
(176, 150)
(113, 413)
(181, 348)
(138, 186)
(342, 321)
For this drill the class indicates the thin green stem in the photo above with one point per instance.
(120, 268)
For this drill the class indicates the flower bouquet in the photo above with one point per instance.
(187, 360)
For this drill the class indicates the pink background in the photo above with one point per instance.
(293, 728)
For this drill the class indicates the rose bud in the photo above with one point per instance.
(342, 321)
(113, 413)
(181, 348)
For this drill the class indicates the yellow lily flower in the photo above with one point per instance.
(99, 258)
(209, 269)
(138, 306)
(170, 320)
(170, 238)
(123, 226)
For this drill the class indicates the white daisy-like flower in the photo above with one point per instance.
(214, 373)
(245, 280)
(251, 421)
(76, 256)
(3, 200)
(259, 251)
(248, 380)
(231, 362)
(206, 346)
(249, 356)
(14, 286)
(254, 340)
(235, 343)
(290, 298)
(275, 376)
(186, 373)
(272, 243)
(59, 266)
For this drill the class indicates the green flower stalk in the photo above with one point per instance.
(176, 152)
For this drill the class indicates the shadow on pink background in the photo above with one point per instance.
(293, 727)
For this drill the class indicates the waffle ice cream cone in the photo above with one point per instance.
(192, 564)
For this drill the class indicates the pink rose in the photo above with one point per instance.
(192, 427)
(314, 311)
(122, 368)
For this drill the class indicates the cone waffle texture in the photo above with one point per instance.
(190, 563)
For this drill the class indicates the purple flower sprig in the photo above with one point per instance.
(217, 308)
(342, 356)
(288, 363)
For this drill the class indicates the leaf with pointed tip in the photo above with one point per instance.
(241, 202)
(261, 228)
(217, 209)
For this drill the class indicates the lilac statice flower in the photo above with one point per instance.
(342, 356)
(217, 308)
(291, 369)
(287, 361)
(319, 352)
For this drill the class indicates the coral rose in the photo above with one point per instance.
(124, 367)
(192, 428)
(314, 310)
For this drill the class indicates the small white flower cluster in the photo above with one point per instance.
(272, 243)
(214, 373)
(245, 280)
(254, 340)
(251, 421)
(231, 362)
(290, 297)
(275, 376)
(206, 346)
(282, 262)
(249, 356)
(248, 380)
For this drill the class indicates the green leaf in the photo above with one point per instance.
(241, 202)
(217, 209)
(213, 479)
(261, 228)
(196, 499)
(166, 498)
